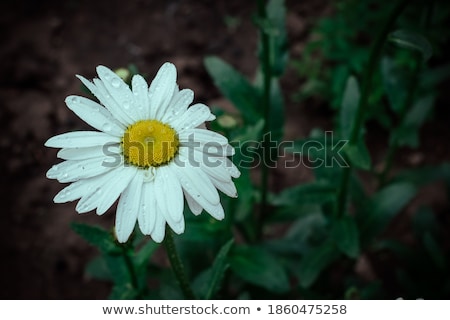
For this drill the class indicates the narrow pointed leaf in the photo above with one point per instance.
(314, 262)
(235, 87)
(412, 41)
(349, 107)
(346, 236)
(255, 265)
(219, 267)
(98, 237)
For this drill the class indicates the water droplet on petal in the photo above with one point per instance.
(126, 105)
(106, 127)
(74, 100)
(115, 83)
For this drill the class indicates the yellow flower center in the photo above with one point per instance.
(149, 143)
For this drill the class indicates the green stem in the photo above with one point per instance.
(177, 266)
(130, 267)
(374, 58)
(267, 79)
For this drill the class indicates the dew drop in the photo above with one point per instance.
(106, 127)
(65, 175)
(115, 83)
(74, 100)
(126, 105)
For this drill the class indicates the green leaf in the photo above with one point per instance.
(349, 107)
(303, 235)
(248, 133)
(383, 206)
(277, 118)
(314, 262)
(98, 237)
(395, 82)
(143, 256)
(407, 133)
(358, 155)
(98, 269)
(278, 52)
(291, 213)
(412, 41)
(219, 267)
(345, 234)
(235, 87)
(118, 269)
(313, 193)
(123, 292)
(257, 266)
(423, 176)
(208, 283)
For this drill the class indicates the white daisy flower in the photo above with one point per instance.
(151, 149)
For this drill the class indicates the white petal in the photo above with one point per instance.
(99, 91)
(216, 149)
(95, 115)
(201, 136)
(112, 151)
(148, 210)
(172, 194)
(80, 139)
(115, 187)
(195, 181)
(231, 168)
(128, 209)
(111, 104)
(161, 90)
(140, 91)
(160, 229)
(120, 91)
(106, 192)
(211, 165)
(226, 187)
(193, 117)
(82, 188)
(216, 211)
(73, 170)
(178, 105)
(193, 205)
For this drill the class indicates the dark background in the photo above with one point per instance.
(45, 43)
